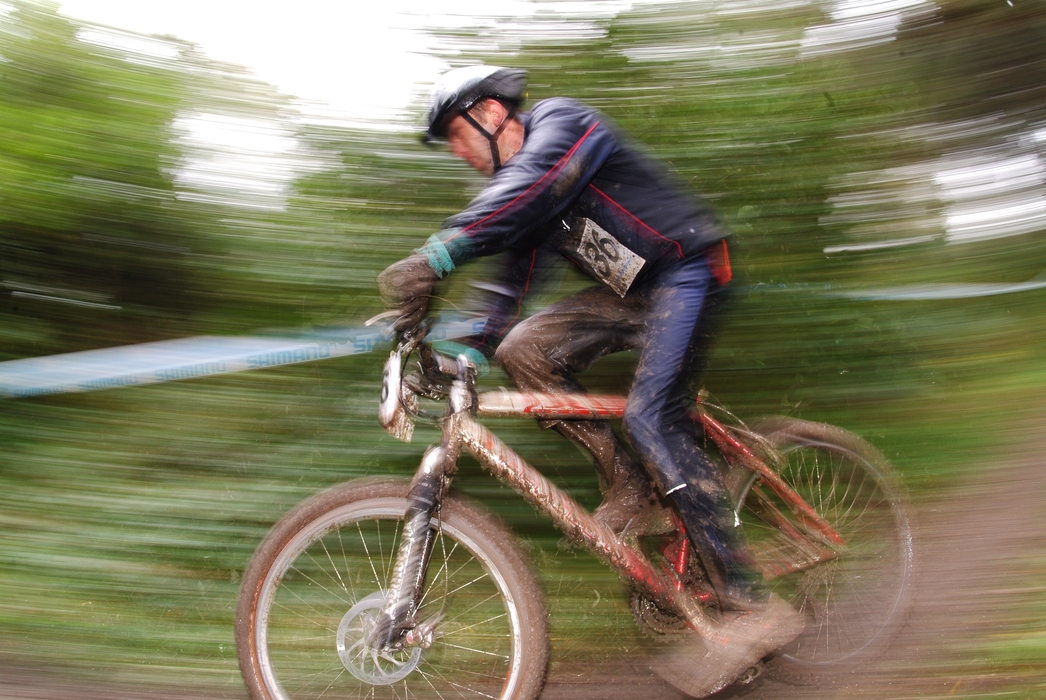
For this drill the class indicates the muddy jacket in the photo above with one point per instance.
(577, 188)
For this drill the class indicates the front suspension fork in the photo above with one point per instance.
(430, 484)
(398, 617)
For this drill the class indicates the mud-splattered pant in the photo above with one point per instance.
(670, 321)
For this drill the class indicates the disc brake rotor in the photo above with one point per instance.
(370, 665)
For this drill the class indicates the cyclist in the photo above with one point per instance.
(563, 178)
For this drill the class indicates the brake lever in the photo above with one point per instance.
(436, 367)
(407, 340)
(394, 313)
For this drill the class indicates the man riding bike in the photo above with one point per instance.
(564, 179)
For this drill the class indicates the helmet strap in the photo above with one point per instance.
(492, 138)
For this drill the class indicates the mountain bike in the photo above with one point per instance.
(388, 588)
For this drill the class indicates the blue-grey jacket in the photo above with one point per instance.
(573, 184)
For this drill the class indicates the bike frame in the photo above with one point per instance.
(461, 431)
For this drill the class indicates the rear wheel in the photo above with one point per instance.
(314, 585)
(855, 595)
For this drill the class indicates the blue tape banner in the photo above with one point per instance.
(190, 358)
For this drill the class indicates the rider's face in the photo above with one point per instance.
(465, 141)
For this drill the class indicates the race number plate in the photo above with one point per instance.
(601, 255)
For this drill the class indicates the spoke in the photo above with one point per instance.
(446, 559)
(331, 684)
(309, 578)
(345, 562)
(435, 577)
(476, 651)
(389, 563)
(468, 583)
(458, 686)
(333, 566)
(431, 685)
(846, 514)
(481, 622)
(456, 616)
(381, 551)
(370, 559)
(289, 609)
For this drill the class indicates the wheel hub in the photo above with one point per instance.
(365, 662)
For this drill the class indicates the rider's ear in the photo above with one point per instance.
(498, 113)
(489, 112)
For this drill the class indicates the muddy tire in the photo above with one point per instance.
(313, 583)
(855, 602)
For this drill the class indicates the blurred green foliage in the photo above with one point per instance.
(127, 516)
(88, 211)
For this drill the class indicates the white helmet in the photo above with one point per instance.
(458, 90)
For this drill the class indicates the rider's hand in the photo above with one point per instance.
(451, 350)
(407, 286)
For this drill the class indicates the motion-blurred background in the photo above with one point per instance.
(882, 164)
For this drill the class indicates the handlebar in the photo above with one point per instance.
(435, 366)
(438, 374)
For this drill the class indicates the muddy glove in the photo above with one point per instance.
(407, 286)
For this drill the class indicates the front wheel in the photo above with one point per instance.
(854, 595)
(316, 581)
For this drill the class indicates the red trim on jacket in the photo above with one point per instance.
(552, 172)
(604, 195)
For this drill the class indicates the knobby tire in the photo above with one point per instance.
(855, 602)
(325, 567)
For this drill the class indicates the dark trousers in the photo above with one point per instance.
(670, 320)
